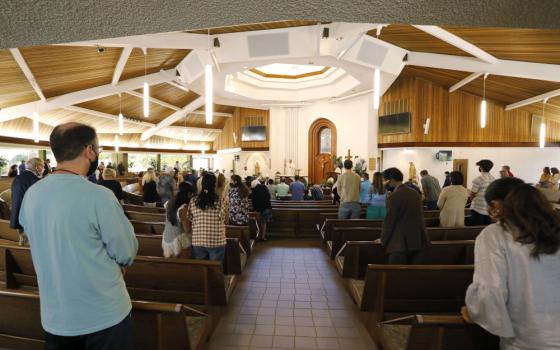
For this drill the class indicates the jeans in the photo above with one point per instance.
(405, 258)
(117, 337)
(431, 205)
(349, 210)
(477, 219)
(205, 253)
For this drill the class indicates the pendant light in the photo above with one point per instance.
(146, 86)
(376, 88)
(208, 89)
(121, 118)
(116, 143)
(542, 131)
(36, 127)
(185, 133)
(483, 104)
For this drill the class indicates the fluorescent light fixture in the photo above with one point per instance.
(185, 135)
(376, 88)
(427, 126)
(483, 114)
(36, 127)
(228, 150)
(121, 124)
(215, 60)
(208, 88)
(116, 143)
(146, 100)
(542, 135)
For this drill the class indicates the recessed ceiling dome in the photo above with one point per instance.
(291, 71)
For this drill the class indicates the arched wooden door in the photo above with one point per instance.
(322, 146)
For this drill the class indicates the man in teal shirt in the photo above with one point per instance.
(81, 243)
(282, 189)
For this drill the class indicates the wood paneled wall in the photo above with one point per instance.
(244, 117)
(455, 117)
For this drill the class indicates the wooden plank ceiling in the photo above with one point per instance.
(255, 26)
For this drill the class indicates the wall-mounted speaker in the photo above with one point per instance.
(372, 53)
(191, 68)
(272, 44)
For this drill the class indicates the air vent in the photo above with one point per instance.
(264, 45)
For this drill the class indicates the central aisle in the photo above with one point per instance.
(290, 297)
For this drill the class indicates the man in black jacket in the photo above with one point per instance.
(20, 185)
(261, 203)
(404, 233)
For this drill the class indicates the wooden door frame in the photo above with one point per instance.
(456, 161)
(314, 144)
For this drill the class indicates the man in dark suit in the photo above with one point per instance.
(20, 185)
(404, 233)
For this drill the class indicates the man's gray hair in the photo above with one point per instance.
(32, 163)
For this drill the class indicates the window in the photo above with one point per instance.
(203, 163)
(325, 141)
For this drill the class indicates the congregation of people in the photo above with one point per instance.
(513, 294)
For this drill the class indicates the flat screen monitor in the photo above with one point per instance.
(253, 133)
(444, 156)
(394, 123)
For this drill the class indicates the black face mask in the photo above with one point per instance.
(93, 166)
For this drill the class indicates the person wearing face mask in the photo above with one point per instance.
(81, 243)
(479, 207)
(404, 233)
(33, 172)
(514, 293)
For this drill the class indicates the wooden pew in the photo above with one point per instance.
(184, 281)
(143, 209)
(243, 234)
(235, 258)
(354, 257)
(435, 332)
(330, 224)
(132, 198)
(148, 228)
(7, 233)
(145, 217)
(392, 291)
(161, 326)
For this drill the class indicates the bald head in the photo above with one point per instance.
(69, 140)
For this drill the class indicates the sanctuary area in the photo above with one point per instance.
(279, 180)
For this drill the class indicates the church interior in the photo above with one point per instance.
(276, 102)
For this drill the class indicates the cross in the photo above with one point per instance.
(348, 157)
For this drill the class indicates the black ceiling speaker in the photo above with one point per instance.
(326, 32)
(405, 58)
(216, 42)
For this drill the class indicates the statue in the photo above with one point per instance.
(412, 171)
(291, 169)
(257, 169)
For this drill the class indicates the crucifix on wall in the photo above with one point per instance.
(349, 156)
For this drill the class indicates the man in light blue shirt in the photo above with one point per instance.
(80, 242)
(282, 190)
(365, 186)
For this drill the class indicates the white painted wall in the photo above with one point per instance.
(525, 163)
(355, 120)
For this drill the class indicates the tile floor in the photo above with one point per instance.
(290, 297)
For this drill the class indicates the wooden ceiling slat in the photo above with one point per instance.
(156, 60)
(63, 69)
(255, 26)
(172, 95)
(14, 87)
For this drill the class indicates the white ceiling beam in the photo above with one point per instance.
(125, 54)
(106, 115)
(178, 115)
(518, 69)
(531, 100)
(464, 82)
(196, 128)
(76, 97)
(177, 85)
(176, 40)
(154, 100)
(216, 114)
(27, 72)
(458, 42)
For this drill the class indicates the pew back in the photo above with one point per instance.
(145, 217)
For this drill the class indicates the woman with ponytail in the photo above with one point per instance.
(515, 290)
(176, 241)
(207, 215)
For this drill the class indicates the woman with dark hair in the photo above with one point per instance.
(176, 240)
(452, 201)
(555, 178)
(544, 181)
(238, 197)
(221, 185)
(377, 203)
(515, 289)
(207, 215)
(13, 171)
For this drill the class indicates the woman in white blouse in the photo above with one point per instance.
(515, 292)
(452, 201)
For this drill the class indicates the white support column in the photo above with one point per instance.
(291, 142)
(125, 54)
(464, 82)
(27, 72)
